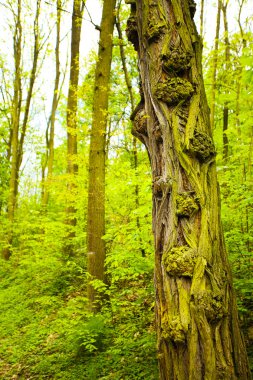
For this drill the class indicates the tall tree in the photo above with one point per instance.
(224, 6)
(19, 124)
(72, 167)
(132, 103)
(50, 132)
(96, 184)
(196, 314)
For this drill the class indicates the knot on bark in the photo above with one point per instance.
(173, 329)
(154, 29)
(156, 23)
(131, 31)
(180, 261)
(175, 60)
(139, 119)
(157, 131)
(211, 304)
(174, 90)
(192, 6)
(201, 146)
(161, 187)
(187, 204)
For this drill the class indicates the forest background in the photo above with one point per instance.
(46, 329)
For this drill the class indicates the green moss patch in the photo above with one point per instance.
(180, 261)
(154, 29)
(172, 329)
(175, 60)
(187, 205)
(213, 305)
(174, 90)
(201, 145)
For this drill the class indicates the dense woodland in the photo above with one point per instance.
(80, 197)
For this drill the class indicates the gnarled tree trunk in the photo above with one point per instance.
(197, 323)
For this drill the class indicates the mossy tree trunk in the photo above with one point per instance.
(72, 166)
(196, 314)
(96, 186)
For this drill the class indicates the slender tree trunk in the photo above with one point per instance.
(227, 69)
(17, 145)
(14, 141)
(131, 96)
(96, 186)
(214, 66)
(239, 75)
(32, 78)
(241, 3)
(72, 167)
(237, 104)
(196, 315)
(49, 161)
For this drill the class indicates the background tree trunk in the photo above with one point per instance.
(72, 166)
(19, 127)
(16, 104)
(96, 181)
(196, 314)
(227, 70)
(132, 103)
(202, 6)
(214, 64)
(49, 161)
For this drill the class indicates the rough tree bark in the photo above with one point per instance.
(72, 167)
(196, 315)
(96, 181)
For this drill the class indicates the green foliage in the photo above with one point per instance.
(235, 87)
(46, 328)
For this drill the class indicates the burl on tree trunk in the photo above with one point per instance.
(197, 322)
